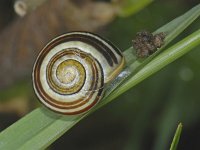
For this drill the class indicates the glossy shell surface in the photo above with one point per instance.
(70, 72)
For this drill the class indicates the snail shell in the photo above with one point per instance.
(71, 71)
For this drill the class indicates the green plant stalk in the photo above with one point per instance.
(159, 62)
(176, 137)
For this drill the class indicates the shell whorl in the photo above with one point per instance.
(70, 72)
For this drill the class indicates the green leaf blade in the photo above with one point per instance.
(14, 136)
(159, 62)
(176, 137)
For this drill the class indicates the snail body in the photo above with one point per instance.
(71, 71)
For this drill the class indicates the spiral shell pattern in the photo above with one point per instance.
(70, 72)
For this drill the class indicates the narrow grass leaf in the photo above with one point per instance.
(176, 137)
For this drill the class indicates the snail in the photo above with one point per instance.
(71, 71)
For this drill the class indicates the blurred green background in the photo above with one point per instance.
(146, 116)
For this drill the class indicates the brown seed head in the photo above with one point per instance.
(145, 43)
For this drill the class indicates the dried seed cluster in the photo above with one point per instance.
(146, 43)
